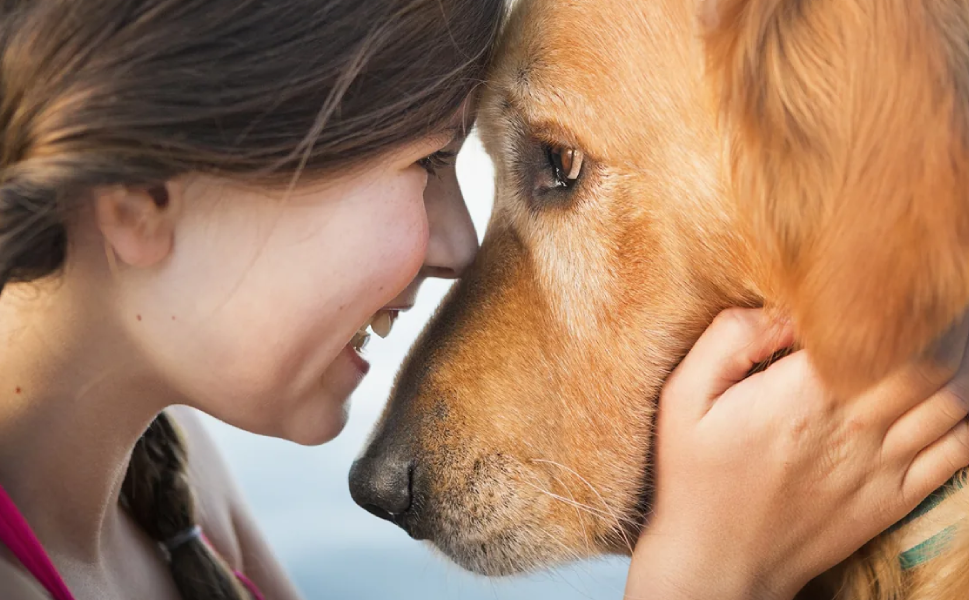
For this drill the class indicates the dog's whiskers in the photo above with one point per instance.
(574, 503)
(620, 522)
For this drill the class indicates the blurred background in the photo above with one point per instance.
(334, 549)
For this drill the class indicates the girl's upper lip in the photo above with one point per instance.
(399, 308)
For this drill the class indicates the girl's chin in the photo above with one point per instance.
(328, 415)
(316, 425)
(321, 433)
(317, 415)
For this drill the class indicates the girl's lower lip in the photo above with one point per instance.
(358, 361)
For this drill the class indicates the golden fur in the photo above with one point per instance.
(806, 154)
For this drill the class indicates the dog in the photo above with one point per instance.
(658, 161)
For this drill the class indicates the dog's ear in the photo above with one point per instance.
(846, 139)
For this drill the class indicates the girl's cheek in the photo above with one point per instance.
(412, 233)
(422, 238)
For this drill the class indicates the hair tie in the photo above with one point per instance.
(180, 539)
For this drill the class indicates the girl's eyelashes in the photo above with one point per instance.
(441, 159)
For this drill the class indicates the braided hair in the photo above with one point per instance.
(157, 494)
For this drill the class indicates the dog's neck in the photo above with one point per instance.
(925, 532)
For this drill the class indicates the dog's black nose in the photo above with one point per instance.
(382, 486)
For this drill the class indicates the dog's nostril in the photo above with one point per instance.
(382, 486)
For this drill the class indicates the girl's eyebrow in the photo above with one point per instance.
(463, 128)
(452, 133)
(462, 122)
(456, 131)
(458, 128)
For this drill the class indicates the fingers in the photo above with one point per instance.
(734, 343)
(930, 420)
(937, 458)
(936, 464)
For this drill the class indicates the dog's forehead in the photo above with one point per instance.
(593, 68)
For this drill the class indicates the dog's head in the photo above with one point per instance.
(519, 431)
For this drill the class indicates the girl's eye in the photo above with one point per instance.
(566, 164)
(441, 159)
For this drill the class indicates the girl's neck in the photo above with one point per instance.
(73, 402)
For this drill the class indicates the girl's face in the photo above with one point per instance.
(251, 315)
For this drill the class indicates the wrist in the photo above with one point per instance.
(682, 567)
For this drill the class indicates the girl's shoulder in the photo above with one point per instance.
(17, 584)
(216, 494)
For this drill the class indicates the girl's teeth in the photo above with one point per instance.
(359, 341)
(382, 323)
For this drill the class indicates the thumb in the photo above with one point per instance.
(734, 343)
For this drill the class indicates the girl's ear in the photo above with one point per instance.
(846, 138)
(137, 223)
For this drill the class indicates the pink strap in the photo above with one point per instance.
(256, 594)
(245, 581)
(17, 535)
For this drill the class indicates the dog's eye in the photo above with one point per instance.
(552, 173)
(566, 164)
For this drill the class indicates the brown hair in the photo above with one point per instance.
(134, 92)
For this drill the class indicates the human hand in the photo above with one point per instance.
(764, 483)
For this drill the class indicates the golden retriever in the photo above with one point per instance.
(656, 162)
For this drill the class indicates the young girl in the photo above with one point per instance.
(201, 202)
